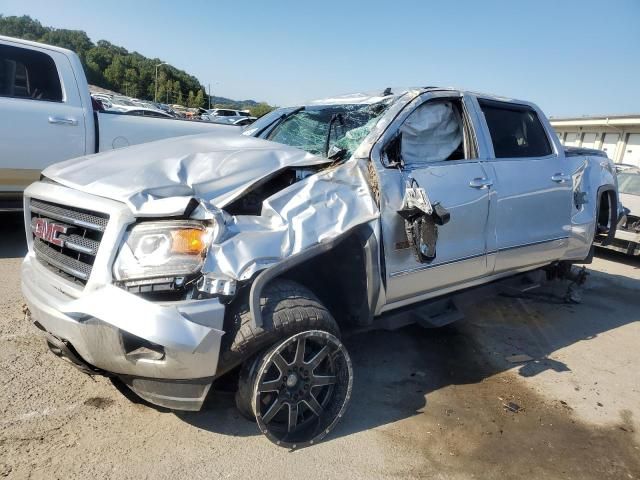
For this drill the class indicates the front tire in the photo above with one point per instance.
(287, 308)
(298, 389)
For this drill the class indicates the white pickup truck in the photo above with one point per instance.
(46, 116)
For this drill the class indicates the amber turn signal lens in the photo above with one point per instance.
(190, 241)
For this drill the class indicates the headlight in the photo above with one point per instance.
(169, 248)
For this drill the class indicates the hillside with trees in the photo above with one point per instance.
(115, 68)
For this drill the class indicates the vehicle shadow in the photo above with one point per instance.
(397, 372)
(618, 257)
(13, 244)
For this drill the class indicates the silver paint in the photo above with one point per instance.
(514, 222)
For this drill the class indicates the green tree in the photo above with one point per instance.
(199, 100)
(162, 87)
(131, 78)
(260, 109)
(96, 62)
(75, 40)
(168, 92)
(191, 99)
(114, 73)
(110, 66)
(22, 27)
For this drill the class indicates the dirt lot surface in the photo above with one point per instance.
(438, 404)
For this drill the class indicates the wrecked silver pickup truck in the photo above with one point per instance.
(171, 264)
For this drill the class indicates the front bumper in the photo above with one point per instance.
(102, 324)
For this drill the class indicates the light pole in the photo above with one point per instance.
(155, 95)
(214, 103)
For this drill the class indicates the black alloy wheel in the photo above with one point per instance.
(301, 388)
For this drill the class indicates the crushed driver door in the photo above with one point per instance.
(439, 158)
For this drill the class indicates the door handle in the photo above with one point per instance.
(63, 121)
(560, 178)
(480, 182)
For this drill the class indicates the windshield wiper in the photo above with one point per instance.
(334, 117)
(279, 120)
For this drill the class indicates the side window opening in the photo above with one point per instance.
(28, 74)
(516, 130)
(435, 132)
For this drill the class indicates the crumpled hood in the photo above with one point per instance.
(162, 177)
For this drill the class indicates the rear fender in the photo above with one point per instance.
(612, 196)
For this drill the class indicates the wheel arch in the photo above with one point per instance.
(607, 192)
(326, 261)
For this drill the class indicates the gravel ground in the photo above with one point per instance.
(435, 404)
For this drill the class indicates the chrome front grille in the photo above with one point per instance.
(66, 239)
(75, 216)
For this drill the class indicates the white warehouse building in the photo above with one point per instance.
(618, 135)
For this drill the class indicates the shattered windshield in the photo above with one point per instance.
(629, 183)
(318, 128)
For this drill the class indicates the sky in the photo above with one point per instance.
(571, 57)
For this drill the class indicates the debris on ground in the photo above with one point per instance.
(512, 407)
(573, 295)
(5, 470)
(566, 405)
(578, 278)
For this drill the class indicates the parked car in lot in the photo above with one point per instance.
(147, 112)
(226, 112)
(244, 121)
(174, 263)
(46, 116)
(105, 100)
(627, 236)
(621, 167)
(228, 116)
(167, 109)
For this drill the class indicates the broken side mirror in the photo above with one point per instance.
(421, 220)
(440, 214)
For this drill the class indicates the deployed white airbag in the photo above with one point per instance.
(431, 133)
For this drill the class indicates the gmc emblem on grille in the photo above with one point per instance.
(49, 231)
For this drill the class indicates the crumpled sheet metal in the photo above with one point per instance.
(317, 209)
(159, 324)
(353, 99)
(160, 178)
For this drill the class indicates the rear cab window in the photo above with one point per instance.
(516, 130)
(28, 74)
